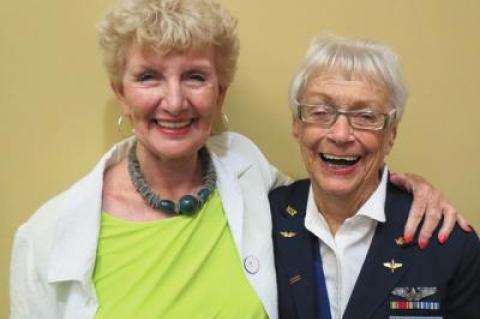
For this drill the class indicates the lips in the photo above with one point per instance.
(340, 160)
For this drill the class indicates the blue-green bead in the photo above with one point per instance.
(167, 206)
(203, 194)
(188, 204)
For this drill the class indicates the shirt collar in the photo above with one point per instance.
(373, 208)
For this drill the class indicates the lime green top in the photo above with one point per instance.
(180, 267)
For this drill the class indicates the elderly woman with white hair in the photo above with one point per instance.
(173, 222)
(338, 242)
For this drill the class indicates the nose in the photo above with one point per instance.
(174, 98)
(341, 131)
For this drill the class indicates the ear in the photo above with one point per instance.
(222, 93)
(390, 139)
(296, 128)
(117, 88)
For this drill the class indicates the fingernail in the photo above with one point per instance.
(422, 244)
(442, 238)
(407, 239)
(469, 228)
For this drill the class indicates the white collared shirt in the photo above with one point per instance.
(343, 255)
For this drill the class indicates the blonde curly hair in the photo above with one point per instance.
(166, 26)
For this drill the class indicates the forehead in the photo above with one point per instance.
(152, 55)
(344, 88)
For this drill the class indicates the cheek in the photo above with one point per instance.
(207, 105)
(309, 145)
(309, 157)
(310, 138)
(377, 147)
(141, 101)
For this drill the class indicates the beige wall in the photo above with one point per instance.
(58, 116)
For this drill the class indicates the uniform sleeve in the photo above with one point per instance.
(464, 300)
(22, 278)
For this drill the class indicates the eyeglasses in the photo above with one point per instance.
(325, 116)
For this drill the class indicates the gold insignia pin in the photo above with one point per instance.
(392, 265)
(400, 241)
(294, 279)
(288, 234)
(291, 211)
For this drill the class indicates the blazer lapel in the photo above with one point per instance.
(297, 259)
(229, 190)
(296, 248)
(379, 275)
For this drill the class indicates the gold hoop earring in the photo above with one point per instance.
(225, 121)
(122, 129)
(220, 125)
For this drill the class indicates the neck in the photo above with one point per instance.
(172, 178)
(337, 208)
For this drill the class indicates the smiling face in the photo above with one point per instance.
(172, 100)
(342, 162)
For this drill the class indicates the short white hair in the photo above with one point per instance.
(353, 58)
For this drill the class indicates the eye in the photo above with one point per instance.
(321, 111)
(146, 76)
(368, 117)
(318, 114)
(196, 76)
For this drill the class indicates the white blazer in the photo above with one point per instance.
(54, 251)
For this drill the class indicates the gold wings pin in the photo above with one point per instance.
(415, 293)
(288, 234)
(392, 265)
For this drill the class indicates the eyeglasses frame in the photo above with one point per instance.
(388, 117)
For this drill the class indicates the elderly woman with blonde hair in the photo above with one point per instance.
(174, 221)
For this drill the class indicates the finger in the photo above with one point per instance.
(433, 215)
(414, 218)
(421, 197)
(450, 216)
(464, 224)
(401, 180)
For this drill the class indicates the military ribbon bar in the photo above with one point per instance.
(414, 305)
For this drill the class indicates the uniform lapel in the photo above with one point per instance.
(295, 251)
(377, 277)
(296, 255)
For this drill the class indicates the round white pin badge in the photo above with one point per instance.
(251, 264)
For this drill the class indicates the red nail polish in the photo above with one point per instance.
(422, 244)
(442, 239)
(407, 239)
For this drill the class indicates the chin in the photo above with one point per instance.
(178, 153)
(338, 191)
(338, 187)
(168, 149)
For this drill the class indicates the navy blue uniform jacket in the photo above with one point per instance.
(453, 268)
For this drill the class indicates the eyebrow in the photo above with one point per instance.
(327, 99)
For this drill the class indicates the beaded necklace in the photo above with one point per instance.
(188, 204)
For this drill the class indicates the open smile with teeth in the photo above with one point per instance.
(339, 160)
(174, 125)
